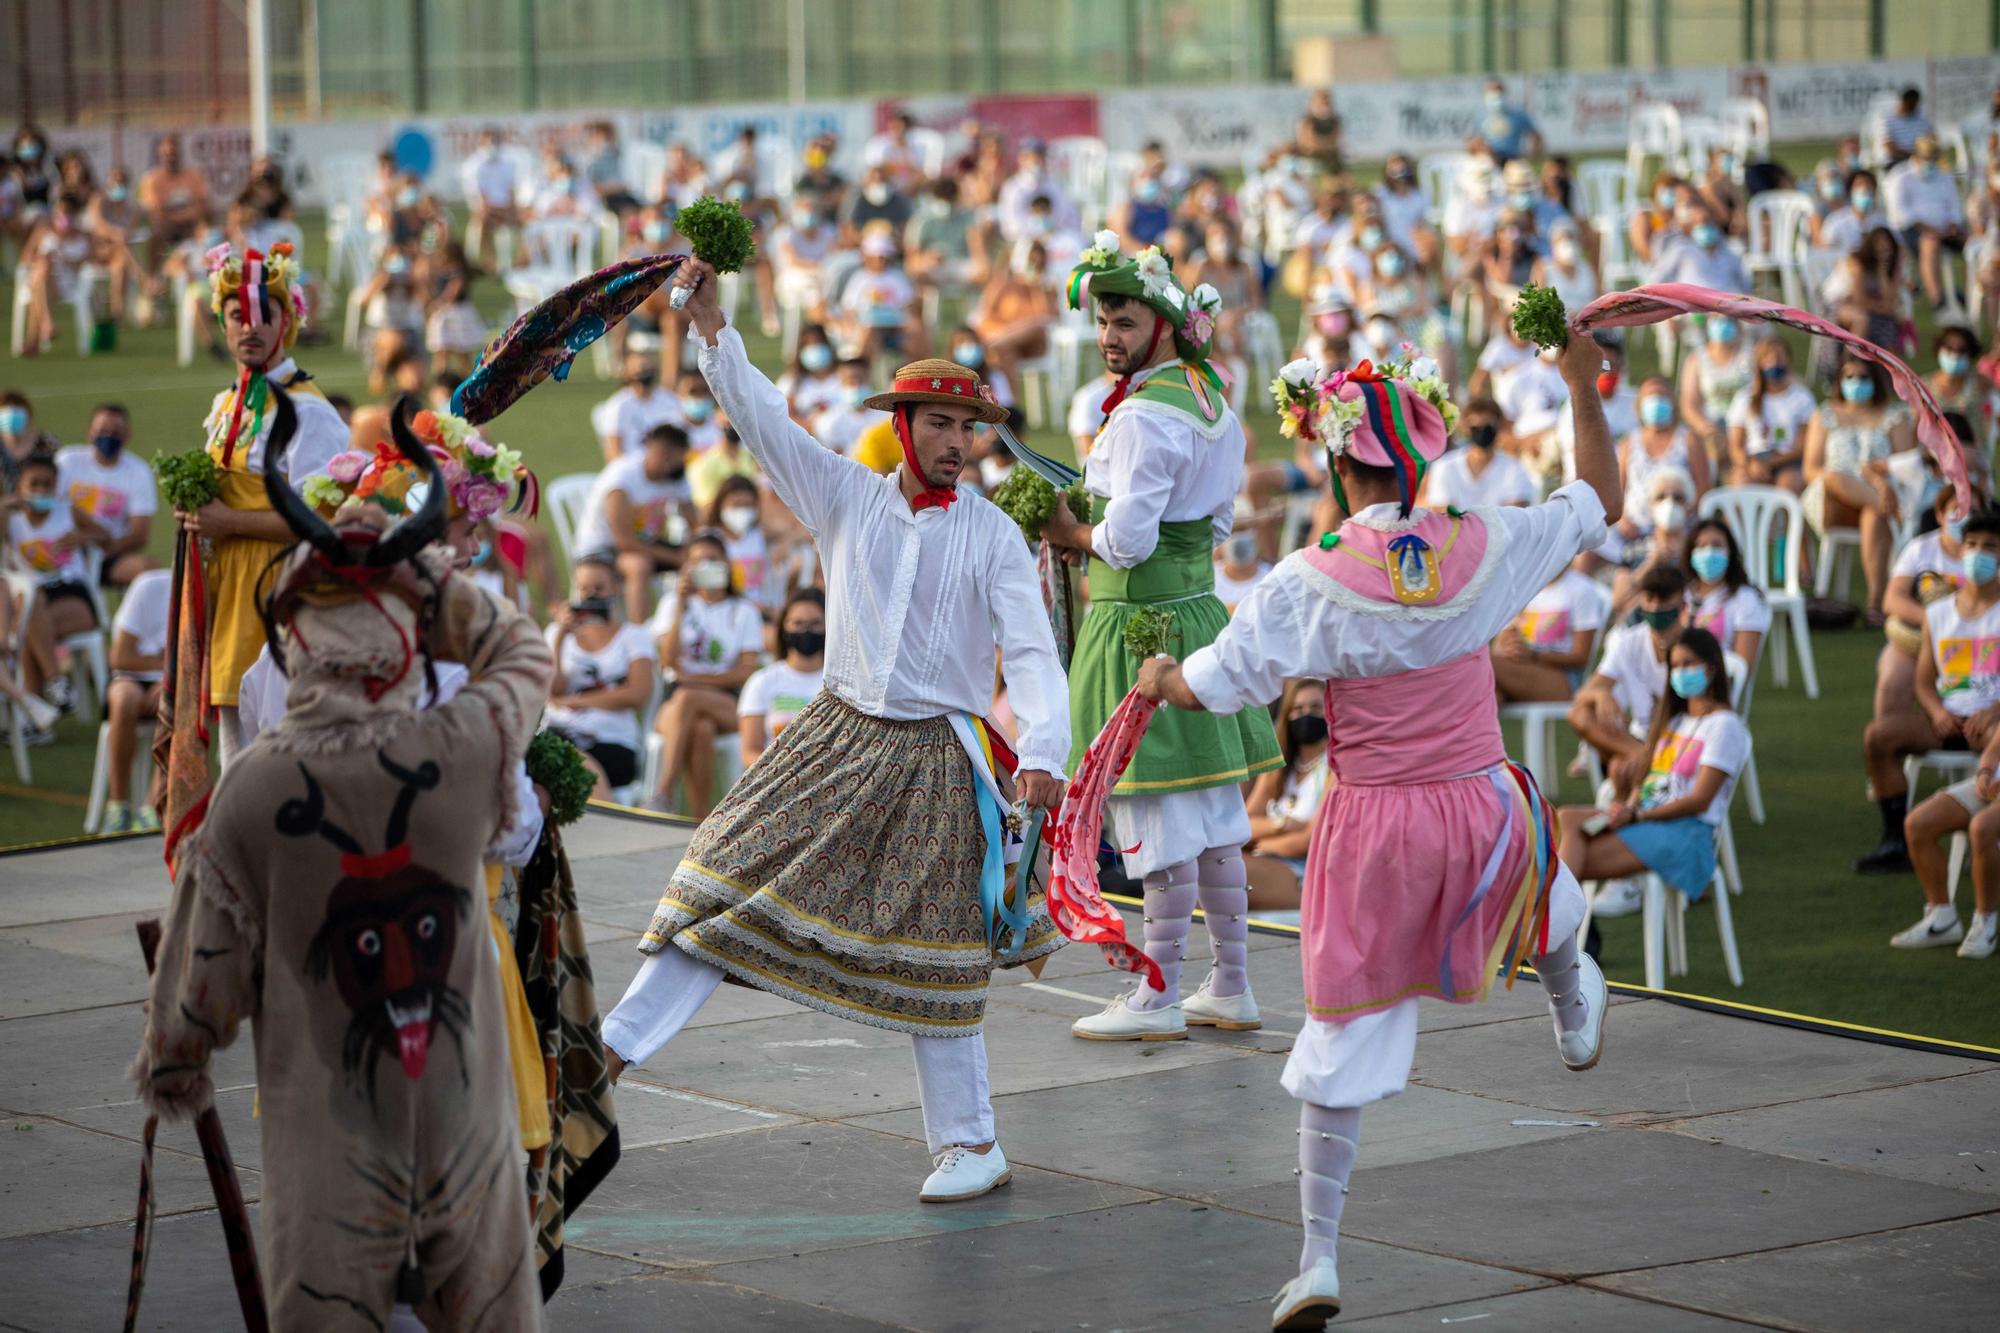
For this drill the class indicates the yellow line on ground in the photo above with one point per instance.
(36, 794)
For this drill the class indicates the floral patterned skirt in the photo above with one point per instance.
(842, 872)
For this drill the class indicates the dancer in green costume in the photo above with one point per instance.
(1163, 475)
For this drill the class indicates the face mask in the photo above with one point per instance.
(1774, 374)
(739, 519)
(1304, 731)
(1370, 237)
(644, 380)
(28, 152)
(482, 555)
(1382, 334)
(396, 266)
(1607, 383)
(737, 191)
(1857, 391)
(1241, 548)
(709, 575)
(13, 420)
(806, 642)
(1333, 323)
(1710, 563)
(1669, 515)
(1706, 235)
(1829, 189)
(877, 195)
(856, 394)
(968, 355)
(1390, 264)
(816, 357)
(1980, 566)
(803, 218)
(1655, 411)
(108, 446)
(1863, 201)
(1722, 330)
(1660, 621)
(697, 410)
(991, 473)
(1954, 364)
(1521, 201)
(42, 504)
(1495, 99)
(1147, 191)
(406, 198)
(677, 471)
(1565, 250)
(1663, 198)
(1688, 682)
(591, 608)
(1954, 528)
(117, 194)
(654, 232)
(1483, 435)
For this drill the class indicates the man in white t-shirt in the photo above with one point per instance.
(639, 405)
(112, 489)
(1534, 398)
(1927, 213)
(492, 184)
(631, 512)
(138, 654)
(1615, 706)
(1477, 473)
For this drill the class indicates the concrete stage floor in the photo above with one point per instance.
(1712, 1172)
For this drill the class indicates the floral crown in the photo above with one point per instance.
(479, 474)
(1149, 277)
(1310, 406)
(277, 272)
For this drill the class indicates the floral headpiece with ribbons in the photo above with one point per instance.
(478, 475)
(1148, 277)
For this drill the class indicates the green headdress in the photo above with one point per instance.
(1149, 277)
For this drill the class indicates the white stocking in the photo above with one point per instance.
(1328, 1139)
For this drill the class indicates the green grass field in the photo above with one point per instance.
(1813, 934)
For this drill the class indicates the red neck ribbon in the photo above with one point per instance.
(940, 496)
(1124, 385)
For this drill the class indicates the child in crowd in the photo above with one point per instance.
(604, 675)
(711, 636)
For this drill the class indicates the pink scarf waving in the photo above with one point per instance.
(1664, 300)
(1075, 905)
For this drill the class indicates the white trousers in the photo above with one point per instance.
(672, 986)
(1368, 1059)
(1176, 828)
(228, 737)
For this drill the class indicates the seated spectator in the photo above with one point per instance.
(137, 660)
(1506, 263)
(1957, 688)
(1665, 505)
(1505, 353)
(46, 539)
(1721, 195)
(968, 349)
(1406, 212)
(1238, 569)
(1284, 803)
(757, 568)
(1620, 398)
(392, 315)
(1147, 211)
(630, 514)
(1664, 817)
(947, 252)
(777, 693)
(719, 462)
(604, 670)
(1031, 179)
(739, 168)
(1660, 442)
(713, 636)
(1655, 226)
(1700, 257)
(1541, 657)
(1227, 266)
(1927, 214)
(492, 186)
(1982, 219)
(1958, 386)
(683, 180)
(841, 423)
(604, 169)
(111, 488)
(1929, 566)
(810, 383)
(801, 248)
(1566, 267)
(454, 330)
(878, 204)
(560, 193)
(1014, 312)
(1478, 474)
(1711, 376)
(1614, 706)
(1965, 807)
(1393, 284)
(1507, 129)
(53, 259)
(878, 306)
(1063, 244)
(1725, 602)
(1848, 445)
(1843, 228)
(892, 150)
(1318, 133)
(1473, 214)
(1767, 423)
(638, 406)
(1904, 127)
(1522, 195)
(174, 197)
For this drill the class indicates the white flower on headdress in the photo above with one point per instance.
(323, 492)
(1207, 297)
(1337, 423)
(1423, 368)
(1299, 374)
(1103, 251)
(1156, 275)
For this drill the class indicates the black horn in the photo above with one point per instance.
(300, 517)
(414, 531)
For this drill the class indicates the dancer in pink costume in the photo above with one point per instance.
(1434, 859)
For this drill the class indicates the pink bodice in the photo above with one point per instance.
(1426, 725)
(1360, 560)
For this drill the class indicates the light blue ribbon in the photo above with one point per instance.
(998, 912)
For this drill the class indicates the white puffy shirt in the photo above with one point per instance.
(916, 600)
(1154, 466)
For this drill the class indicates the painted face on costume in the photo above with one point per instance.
(1123, 334)
(941, 436)
(255, 345)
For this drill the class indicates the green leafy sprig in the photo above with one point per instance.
(1148, 632)
(718, 233)
(188, 481)
(1540, 318)
(557, 766)
(1028, 499)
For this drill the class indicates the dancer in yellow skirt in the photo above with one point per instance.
(258, 300)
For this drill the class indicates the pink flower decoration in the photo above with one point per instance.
(216, 257)
(1198, 325)
(478, 447)
(479, 499)
(347, 468)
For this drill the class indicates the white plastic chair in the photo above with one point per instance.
(1438, 176)
(1778, 220)
(1753, 514)
(728, 761)
(1700, 135)
(1837, 547)
(564, 497)
(81, 304)
(1654, 131)
(1880, 108)
(642, 166)
(928, 147)
(1079, 163)
(562, 250)
(1663, 922)
(100, 772)
(1607, 190)
(1747, 124)
(1264, 343)
(1950, 766)
(190, 308)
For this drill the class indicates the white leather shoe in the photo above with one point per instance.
(964, 1174)
(1581, 1048)
(1231, 1013)
(1120, 1022)
(1308, 1301)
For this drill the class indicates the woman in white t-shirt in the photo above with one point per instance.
(1720, 594)
(1665, 821)
(1541, 656)
(776, 694)
(811, 384)
(604, 675)
(1284, 803)
(138, 656)
(1928, 567)
(759, 566)
(46, 541)
(1767, 424)
(711, 636)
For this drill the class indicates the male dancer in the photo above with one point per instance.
(1163, 476)
(1434, 852)
(330, 896)
(262, 308)
(858, 866)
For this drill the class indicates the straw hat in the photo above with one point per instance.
(935, 380)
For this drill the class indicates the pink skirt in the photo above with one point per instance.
(1423, 889)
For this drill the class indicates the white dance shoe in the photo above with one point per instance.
(1121, 1022)
(1581, 1048)
(1308, 1301)
(1231, 1013)
(964, 1174)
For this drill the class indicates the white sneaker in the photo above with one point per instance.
(1308, 1301)
(1928, 934)
(117, 818)
(1618, 897)
(1121, 1022)
(41, 713)
(1231, 1013)
(1580, 1049)
(964, 1174)
(61, 693)
(1984, 935)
